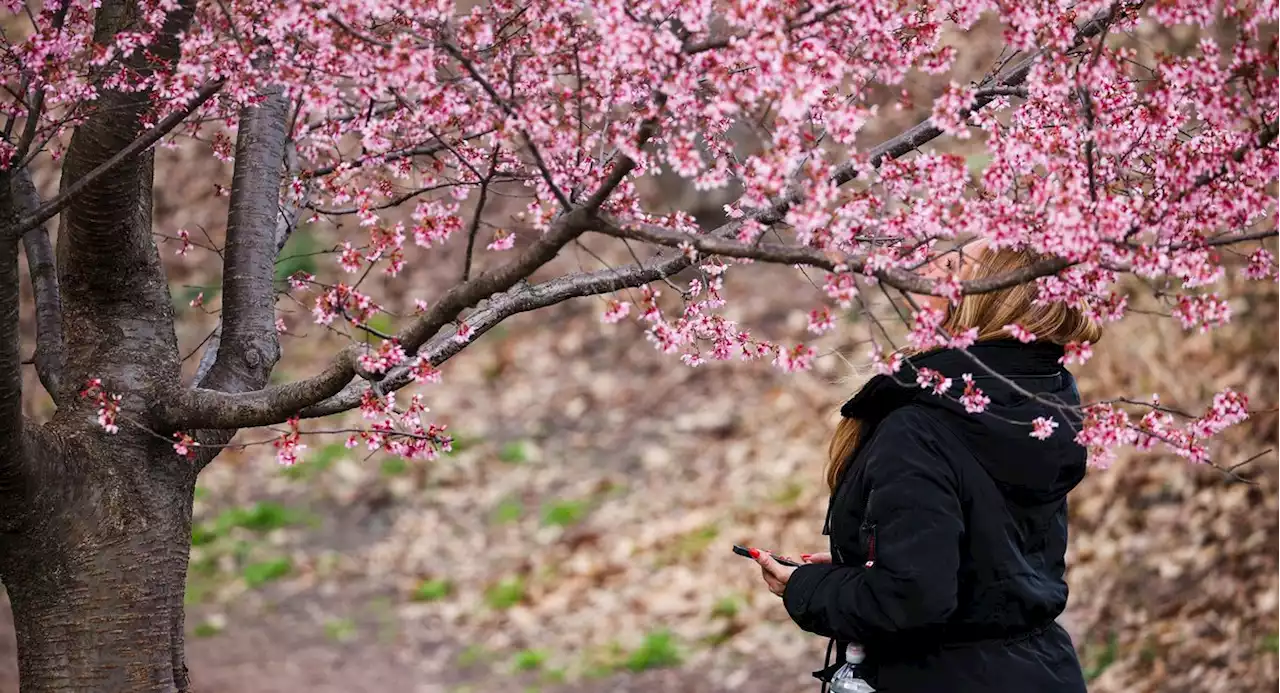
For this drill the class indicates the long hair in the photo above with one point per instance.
(1057, 322)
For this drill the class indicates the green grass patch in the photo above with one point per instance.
(260, 573)
(529, 660)
(515, 452)
(340, 629)
(505, 594)
(726, 607)
(1104, 658)
(184, 295)
(197, 590)
(206, 629)
(563, 513)
(394, 466)
(789, 494)
(432, 590)
(472, 655)
(508, 511)
(299, 254)
(1271, 643)
(658, 651)
(260, 517)
(383, 323)
(553, 676)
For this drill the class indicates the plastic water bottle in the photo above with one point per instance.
(847, 679)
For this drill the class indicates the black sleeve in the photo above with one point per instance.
(918, 525)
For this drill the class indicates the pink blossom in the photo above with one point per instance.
(289, 445)
(1262, 266)
(424, 372)
(502, 240)
(886, 365)
(300, 280)
(1043, 427)
(1020, 333)
(798, 358)
(927, 378)
(616, 311)
(821, 321)
(463, 335)
(1076, 353)
(108, 404)
(185, 237)
(1202, 312)
(393, 139)
(185, 445)
(949, 111)
(964, 340)
(973, 400)
(389, 354)
(349, 259)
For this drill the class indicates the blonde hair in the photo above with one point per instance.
(1058, 323)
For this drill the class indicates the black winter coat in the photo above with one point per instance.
(948, 530)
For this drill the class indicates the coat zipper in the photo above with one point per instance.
(870, 527)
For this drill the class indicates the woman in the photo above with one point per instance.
(948, 529)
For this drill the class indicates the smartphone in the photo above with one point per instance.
(746, 553)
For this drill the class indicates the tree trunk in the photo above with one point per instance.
(96, 577)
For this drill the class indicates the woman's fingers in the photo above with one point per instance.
(822, 557)
(765, 559)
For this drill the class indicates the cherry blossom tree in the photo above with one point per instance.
(408, 119)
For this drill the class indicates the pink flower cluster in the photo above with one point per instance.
(400, 432)
(1107, 427)
(108, 404)
(289, 445)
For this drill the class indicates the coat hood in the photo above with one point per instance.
(1024, 382)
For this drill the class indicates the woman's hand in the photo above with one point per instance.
(775, 574)
(822, 557)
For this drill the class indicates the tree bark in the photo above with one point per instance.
(97, 574)
(13, 483)
(117, 312)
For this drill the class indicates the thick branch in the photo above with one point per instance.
(520, 299)
(248, 346)
(44, 284)
(784, 254)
